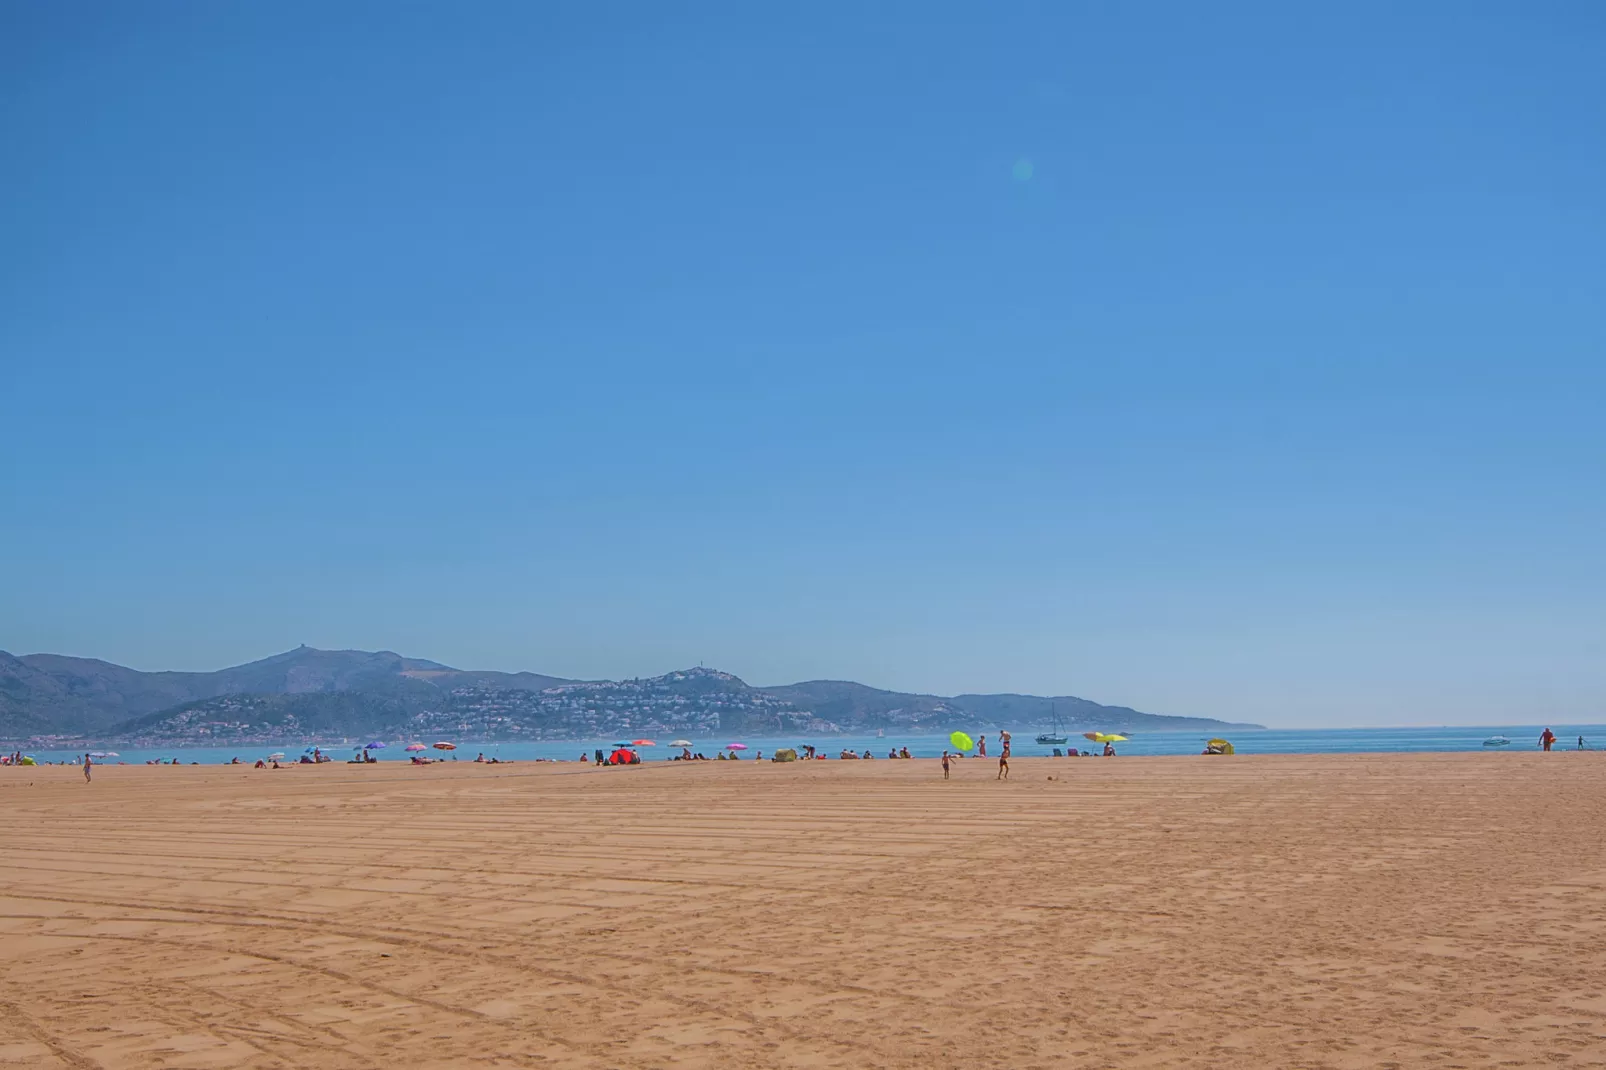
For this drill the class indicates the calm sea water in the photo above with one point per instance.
(1270, 741)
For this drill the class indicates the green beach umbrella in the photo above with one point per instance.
(961, 741)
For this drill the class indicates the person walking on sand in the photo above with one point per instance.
(981, 747)
(1546, 738)
(87, 763)
(1003, 765)
(945, 765)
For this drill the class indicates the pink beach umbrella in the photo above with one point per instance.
(414, 746)
(736, 746)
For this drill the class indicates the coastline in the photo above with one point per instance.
(1429, 739)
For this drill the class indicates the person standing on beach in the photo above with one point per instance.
(1003, 765)
(981, 747)
(87, 763)
(945, 765)
(1546, 738)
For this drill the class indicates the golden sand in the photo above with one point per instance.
(1357, 911)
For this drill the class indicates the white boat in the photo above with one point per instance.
(1056, 738)
(1497, 741)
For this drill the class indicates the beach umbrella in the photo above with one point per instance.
(642, 743)
(736, 746)
(680, 743)
(102, 754)
(375, 745)
(961, 741)
(414, 746)
(276, 756)
(443, 745)
(1104, 737)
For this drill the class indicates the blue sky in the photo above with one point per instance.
(1242, 360)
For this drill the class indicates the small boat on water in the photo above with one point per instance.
(1497, 741)
(1056, 738)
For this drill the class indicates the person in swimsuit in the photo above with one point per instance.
(1546, 738)
(88, 762)
(1003, 765)
(945, 765)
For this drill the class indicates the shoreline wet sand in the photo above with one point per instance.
(1279, 911)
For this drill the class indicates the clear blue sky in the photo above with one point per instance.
(1245, 360)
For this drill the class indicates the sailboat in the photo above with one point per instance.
(1058, 737)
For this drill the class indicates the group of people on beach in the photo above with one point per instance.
(622, 756)
(948, 758)
(1547, 739)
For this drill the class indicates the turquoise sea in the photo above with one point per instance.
(1263, 741)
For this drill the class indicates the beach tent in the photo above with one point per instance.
(1218, 746)
(786, 754)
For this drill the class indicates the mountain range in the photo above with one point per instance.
(307, 691)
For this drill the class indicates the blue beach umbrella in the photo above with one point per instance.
(375, 745)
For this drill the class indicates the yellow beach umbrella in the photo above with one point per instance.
(1104, 737)
(961, 741)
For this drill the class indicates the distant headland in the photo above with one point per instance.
(303, 692)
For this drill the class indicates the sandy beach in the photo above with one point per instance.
(1366, 911)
